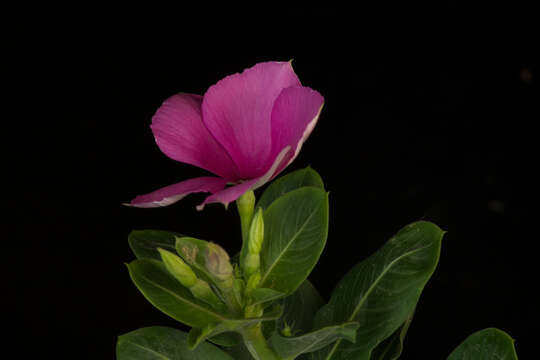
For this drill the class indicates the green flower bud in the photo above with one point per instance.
(190, 248)
(202, 291)
(178, 268)
(253, 282)
(256, 233)
(252, 263)
(245, 204)
(217, 262)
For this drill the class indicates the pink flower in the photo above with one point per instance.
(245, 129)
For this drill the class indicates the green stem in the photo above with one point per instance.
(257, 345)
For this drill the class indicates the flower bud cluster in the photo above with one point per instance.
(187, 277)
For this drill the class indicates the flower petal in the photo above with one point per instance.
(228, 195)
(182, 136)
(237, 110)
(172, 193)
(294, 116)
(234, 192)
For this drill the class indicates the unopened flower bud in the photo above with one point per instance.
(256, 233)
(252, 263)
(217, 262)
(189, 248)
(253, 282)
(201, 290)
(245, 204)
(178, 268)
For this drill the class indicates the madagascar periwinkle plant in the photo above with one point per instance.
(259, 304)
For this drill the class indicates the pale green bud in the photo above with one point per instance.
(256, 233)
(245, 204)
(217, 262)
(253, 282)
(201, 290)
(178, 268)
(252, 263)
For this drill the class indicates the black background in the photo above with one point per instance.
(429, 114)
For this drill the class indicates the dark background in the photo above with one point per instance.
(429, 114)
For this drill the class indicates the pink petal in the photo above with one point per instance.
(172, 193)
(229, 194)
(294, 116)
(234, 192)
(182, 136)
(237, 110)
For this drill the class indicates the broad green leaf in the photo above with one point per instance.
(289, 182)
(381, 292)
(300, 308)
(291, 347)
(144, 243)
(163, 343)
(295, 231)
(261, 295)
(487, 344)
(168, 295)
(391, 348)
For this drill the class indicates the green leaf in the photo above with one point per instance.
(487, 344)
(163, 343)
(296, 227)
(227, 339)
(300, 308)
(167, 294)
(391, 348)
(261, 295)
(289, 182)
(197, 335)
(291, 347)
(144, 243)
(239, 352)
(381, 292)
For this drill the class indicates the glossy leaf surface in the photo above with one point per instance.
(300, 308)
(289, 182)
(381, 292)
(168, 295)
(163, 343)
(487, 344)
(391, 348)
(296, 227)
(144, 243)
(291, 347)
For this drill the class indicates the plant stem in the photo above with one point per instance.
(257, 345)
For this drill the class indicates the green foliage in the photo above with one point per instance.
(300, 308)
(381, 292)
(166, 293)
(487, 344)
(391, 348)
(163, 343)
(292, 181)
(144, 243)
(296, 227)
(291, 347)
(265, 303)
